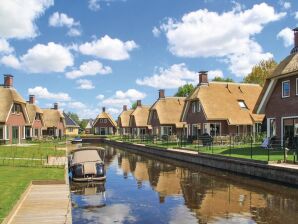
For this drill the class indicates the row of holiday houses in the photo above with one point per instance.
(21, 120)
(219, 108)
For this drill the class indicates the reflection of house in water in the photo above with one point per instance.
(108, 155)
(168, 184)
(224, 202)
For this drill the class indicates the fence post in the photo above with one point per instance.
(251, 139)
(284, 148)
(268, 152)
(230, 151)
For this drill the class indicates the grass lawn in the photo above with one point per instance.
(14, 181)
(34, 154)
(239, 151)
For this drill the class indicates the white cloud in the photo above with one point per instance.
(10, 61)
(108, 48)
(89, 68)
(287, 36)
(85, 84)
(209, 34)
(5, 46)
(215, 73)
(18, 17)
(156, 31)
(285, 4)
(100, 97)
(73, 32)
(93, 5)
(46, 58)
(43, 93)
(175, 76)
(169, 78)
(76, 105)
(114, 111)
(121, 98)
(61, 19)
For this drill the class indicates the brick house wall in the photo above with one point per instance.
(16, 120)
(106, 124)
(278, 107)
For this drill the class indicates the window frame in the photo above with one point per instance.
(296, 86)
(282, 89)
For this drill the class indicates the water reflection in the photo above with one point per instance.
(140, 189)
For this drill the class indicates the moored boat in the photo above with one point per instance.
(86, 165)
(76, 140)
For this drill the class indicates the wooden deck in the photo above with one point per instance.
(49, 203)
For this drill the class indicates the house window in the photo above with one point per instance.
(7, 132)
(70, 129)
(272, 127)
(142, 131)
(37, 116)
(1, 132)
(297, 86)
(27, 132)
(196, 107)
(285, 88)
(242, 104)
(105, 120)
(16, 109)
(196, 130)
(166, 130)
(36, 132)
(237, 130)
(215, 129)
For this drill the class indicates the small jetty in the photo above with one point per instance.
(42, 202)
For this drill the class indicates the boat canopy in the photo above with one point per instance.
(86, 156)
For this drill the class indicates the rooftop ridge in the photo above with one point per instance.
(234, 83)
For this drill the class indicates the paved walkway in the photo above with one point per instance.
(285, 165)
(44, 204)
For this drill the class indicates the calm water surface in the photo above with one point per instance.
(142, 189)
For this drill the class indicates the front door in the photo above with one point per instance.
(102, 131)
(15, 135)
(289, 131)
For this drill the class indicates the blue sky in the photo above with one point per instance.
(86, 54)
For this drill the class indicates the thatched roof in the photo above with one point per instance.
(51, 117)
(123, 119)
(107, 116)
(220, 101)
(287, 67)
(8, 96)
(169, 111)
(32, 109)
(140, 116)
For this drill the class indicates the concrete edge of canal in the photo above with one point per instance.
(279, 174)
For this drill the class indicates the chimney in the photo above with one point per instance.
(8, 81)
(32, 99)
(295, 49)
(55, 106)
(161, 93)
(124, 107)
(203, 77)
(139, 103)
(103, 109)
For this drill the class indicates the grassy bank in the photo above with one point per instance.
(14, 181)
(241, 150)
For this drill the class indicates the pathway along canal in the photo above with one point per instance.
(146, 189)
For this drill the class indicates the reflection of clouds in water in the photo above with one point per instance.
(181, 214)
(117, 213)
(234, 219)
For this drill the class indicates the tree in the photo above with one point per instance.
(83, 123)
(260, 72)
(185, 90)
(220, 79)
(134, 105)
(74, 117)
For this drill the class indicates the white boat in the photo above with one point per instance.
(86, 165)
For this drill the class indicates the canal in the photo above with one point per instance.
(146, 189)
